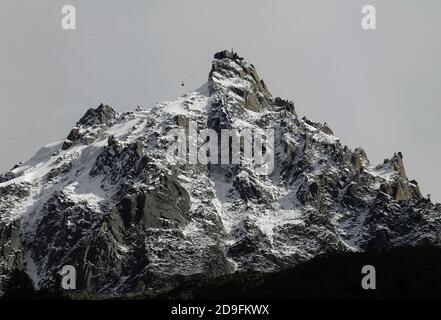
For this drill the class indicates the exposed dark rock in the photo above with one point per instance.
(226, 65)
(181, 120)
(7, 176)
(104, 114)
(19, 191)
(74, 134)
(166, 206)
(288, 105)
(66, 144)
(10, 251)
(59, 171)
(90, 126)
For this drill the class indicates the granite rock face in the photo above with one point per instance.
(108, 202)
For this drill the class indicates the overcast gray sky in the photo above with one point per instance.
(378, 89)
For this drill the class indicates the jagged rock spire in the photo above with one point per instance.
(103, 114)
(237, 79)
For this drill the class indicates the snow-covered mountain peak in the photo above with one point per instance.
(107, 200)
(238, 79)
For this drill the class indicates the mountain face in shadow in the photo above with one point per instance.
(400, 273)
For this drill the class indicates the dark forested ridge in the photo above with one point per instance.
(401, 273)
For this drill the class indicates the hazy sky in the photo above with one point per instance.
(378, 89)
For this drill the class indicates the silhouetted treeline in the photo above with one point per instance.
(401, 273)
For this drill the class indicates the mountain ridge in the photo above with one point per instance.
(106, 200)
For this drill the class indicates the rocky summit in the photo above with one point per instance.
(106, 200)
